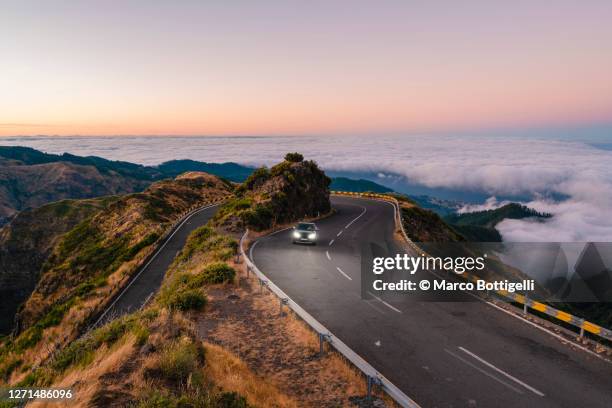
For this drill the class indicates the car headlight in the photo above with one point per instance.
(296, 234)
(312, 235)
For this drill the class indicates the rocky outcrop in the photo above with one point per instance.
(289, 191)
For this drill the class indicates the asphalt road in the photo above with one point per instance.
(148, 280)
(441, 354)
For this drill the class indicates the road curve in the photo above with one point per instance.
(149, 278)
(441, 354)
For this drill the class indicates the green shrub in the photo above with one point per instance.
(8, 368)
(79, 352)
(207, 240)
(141, 333)
(112, 331)
(179, 360)
(157, 400)
(257, 178)
(231, 400)
(294, 157)
(28, 339)
(185, 299)
(55, 315)
(218, 272)
(134, 250)
(259, 218)
(280, 168)
(199, 399)
(196, 241)
(41, 377)
(232, 207)
(200, 234)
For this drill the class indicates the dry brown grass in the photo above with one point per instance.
(85, 381)
(281, 349)
(232, 374)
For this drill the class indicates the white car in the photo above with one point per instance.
(305, 233)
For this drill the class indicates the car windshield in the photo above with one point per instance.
(306, 227)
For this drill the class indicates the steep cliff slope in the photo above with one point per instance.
(91, 262)
(26, 243)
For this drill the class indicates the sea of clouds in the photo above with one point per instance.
(570, 179)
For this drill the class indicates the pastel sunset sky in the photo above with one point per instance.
(307, 67)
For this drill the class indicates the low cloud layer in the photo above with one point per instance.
(541, 169)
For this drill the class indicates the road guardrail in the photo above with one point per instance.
(373, 377)
(581, 324)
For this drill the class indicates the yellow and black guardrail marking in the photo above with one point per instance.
(583, 325)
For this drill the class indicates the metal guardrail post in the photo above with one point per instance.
(281, 302)
(322, 339)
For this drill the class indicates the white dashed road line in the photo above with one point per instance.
(484, 372)
(499, 370)
(385, 303)
(356, 218)
(331, 242)
(345, 275)
(340, 233)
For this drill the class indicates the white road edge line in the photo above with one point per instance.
(375, 308)
(150, 260)
(385, 303)
(356, 218)
(251, 249)
(484, 372)
(327, 255)
(331, 242)
(502, 372)
(345, 275)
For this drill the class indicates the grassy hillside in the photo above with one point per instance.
(30, 178)
(159, 356)
(26, 243)
(31, 186)
(29, 156)
(423, 225)
(92, 261)
(161, 361)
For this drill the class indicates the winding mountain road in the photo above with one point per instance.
(149, 278)
(441, 354)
